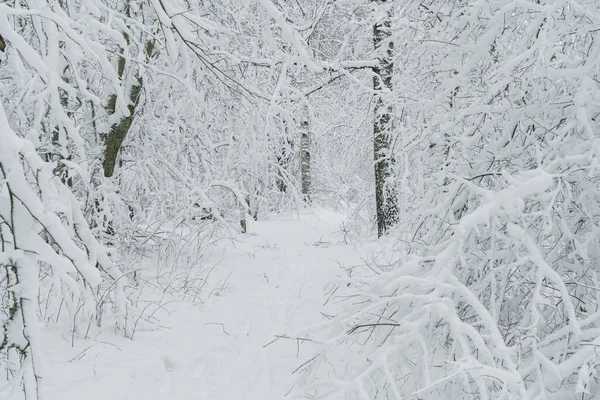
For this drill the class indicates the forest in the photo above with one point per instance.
(300, 199)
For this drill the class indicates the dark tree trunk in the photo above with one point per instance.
(114, 139)
(385, 195)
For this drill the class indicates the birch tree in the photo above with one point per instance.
(305, 152)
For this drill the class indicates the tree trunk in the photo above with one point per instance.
(385, 195)
(113, 140)
(118, 132)
(56, 153)
(305, 139)
(283, 159)
(245, 211)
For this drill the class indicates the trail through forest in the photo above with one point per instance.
(266, 283)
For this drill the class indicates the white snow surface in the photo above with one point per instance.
(268, 282)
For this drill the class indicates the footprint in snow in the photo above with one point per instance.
(170, 366)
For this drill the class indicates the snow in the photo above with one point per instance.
(266, 283)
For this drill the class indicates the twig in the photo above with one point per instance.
(355, 328)
(82, 353)
(218, 323)
(303, 364)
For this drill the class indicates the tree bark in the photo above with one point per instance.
(118, 132)
(114, 139)
(284, 157)
(385, 195)
(305, 139)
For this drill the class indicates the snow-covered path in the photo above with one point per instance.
(215, 350)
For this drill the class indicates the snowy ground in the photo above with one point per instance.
(216, 349)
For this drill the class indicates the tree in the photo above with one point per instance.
(305, 140)
(385, 194)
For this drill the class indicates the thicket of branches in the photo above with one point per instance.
(497, 297)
